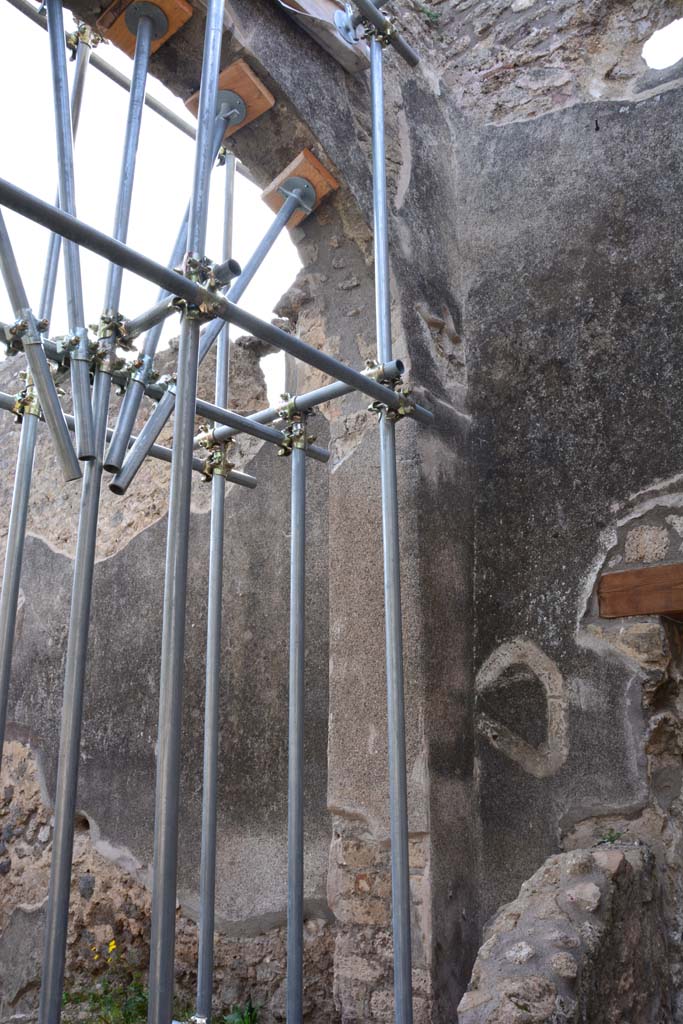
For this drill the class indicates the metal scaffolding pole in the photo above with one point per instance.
(111, 73)
(9, 403)
(16, 534)
(27, 443)
(207, 879)
(80, 360)
(136, 385)
(246, 425)
(165, 866)
(47, 295)
(164, 409)
(35, 357)
(43, 213)
(302, 403)
(295, 792)
(77, 646)
(400, 872)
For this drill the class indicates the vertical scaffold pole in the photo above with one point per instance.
(80, 357)
(162, 946)
(295, 801)
(130, 405)
(166, 405)
(57, 919)
(207, 880)
(16, 534)
(398, 799)
(47, 295)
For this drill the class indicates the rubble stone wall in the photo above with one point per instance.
(583, 941)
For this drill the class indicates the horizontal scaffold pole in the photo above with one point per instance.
(243, 424)
(306, 403)
(96, 241)
(157, 451)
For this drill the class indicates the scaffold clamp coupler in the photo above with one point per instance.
(26, 403)
(216, 462)
(11, 335)
(406, 405)
(295, 433)
(168, 382)
(81, 34)
(113, 327)
(140, 370)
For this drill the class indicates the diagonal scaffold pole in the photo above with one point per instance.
(80, 362)
(136, 386)
(57, 916)
(15, 198)
(295, 759)
(207, 873)
(166, 819)
(27, 328)
(398, 798)
(164, 409)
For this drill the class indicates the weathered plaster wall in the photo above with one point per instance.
(572, 312)
(548, 244)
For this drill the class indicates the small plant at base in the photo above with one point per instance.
(247, 1014)
(610, 836)
(118, 994)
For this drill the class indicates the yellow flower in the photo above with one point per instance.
(112, 946)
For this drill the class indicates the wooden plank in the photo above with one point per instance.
(112, 23)
(316, 17)
(238, 77)
(652, 590)
(307, 166)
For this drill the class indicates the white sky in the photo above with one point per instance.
(665, 47)
(162, 184)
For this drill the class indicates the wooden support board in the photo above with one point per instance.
(653, 590)
(307, 166)
(112, 23)
(317, 18)
(239, 78)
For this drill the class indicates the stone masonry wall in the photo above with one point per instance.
(582, 942)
